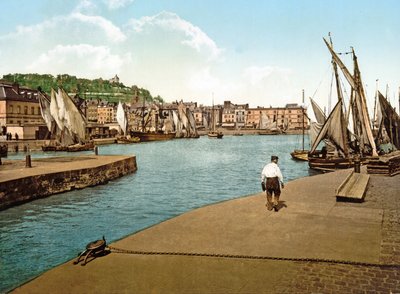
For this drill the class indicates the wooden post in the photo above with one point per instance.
(28, 162)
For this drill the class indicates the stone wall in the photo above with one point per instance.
(29, 188)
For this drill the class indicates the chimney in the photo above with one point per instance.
(15, 87)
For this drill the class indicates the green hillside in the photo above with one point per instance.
(85, 88)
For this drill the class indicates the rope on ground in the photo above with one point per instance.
(299, 259)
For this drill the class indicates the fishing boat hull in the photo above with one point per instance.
(124, 140)
(71, 148)
(149, 136)
(333, 163)
(215, 135)
(46, 148)
(301, 155)
(81, 147)
(270, 132)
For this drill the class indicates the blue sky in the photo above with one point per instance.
(260, 52)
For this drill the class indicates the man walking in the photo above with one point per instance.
(272, 180)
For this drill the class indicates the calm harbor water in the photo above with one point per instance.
(172, 177)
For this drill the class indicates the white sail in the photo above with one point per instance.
(177, 122)
(205, 120)
(55, 109)
(44, 104)
(316, 127)
(73, 118)
(192, 121)
(183, 118)
(333, 129)
(121, 118)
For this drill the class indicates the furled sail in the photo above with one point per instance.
(121, 118)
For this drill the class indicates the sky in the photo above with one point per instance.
(247, 51)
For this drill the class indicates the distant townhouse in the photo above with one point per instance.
(228, 115)
(106, 112)
(91, 110)
(234, 115)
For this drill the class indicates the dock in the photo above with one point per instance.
(313, 244)
(53, 175)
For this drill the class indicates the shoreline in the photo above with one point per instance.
(15, 146)
(305, 227)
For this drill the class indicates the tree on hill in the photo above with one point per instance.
(89, 89)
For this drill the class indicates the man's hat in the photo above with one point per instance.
(274, 157)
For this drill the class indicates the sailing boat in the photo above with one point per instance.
(335, 128)
(214, 133)
(268, 127)
(388, 125)
(301, 154)
(63, 116)
(185, 123)
(123, 123)
(145, 135)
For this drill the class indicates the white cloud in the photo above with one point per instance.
(194, 37)
(85, 6)
(256, 74)
(75, 59)
(112, 32)
(116, 4)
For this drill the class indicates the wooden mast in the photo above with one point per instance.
(302, 110)
(344, 121)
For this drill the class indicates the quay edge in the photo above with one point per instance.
(49, 176)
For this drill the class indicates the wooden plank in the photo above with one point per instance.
(353, 187)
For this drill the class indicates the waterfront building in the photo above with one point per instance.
(289, 117)
(20, 112)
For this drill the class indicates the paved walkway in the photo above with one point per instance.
(250, 242)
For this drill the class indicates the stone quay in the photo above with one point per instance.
(26, 180)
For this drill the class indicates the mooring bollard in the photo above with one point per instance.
(28, 162)
(96, 150)
(357, 165)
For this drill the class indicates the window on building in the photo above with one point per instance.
(11, 109)
(32, 110)
(18, 109)
(25, 109)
